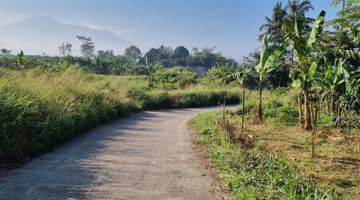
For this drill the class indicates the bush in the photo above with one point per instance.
(186, 81)
(250, 105)
(286, 115)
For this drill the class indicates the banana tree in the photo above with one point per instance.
(20, 60)
(150, 70)
(350, 99)
(268, 62)
(334, 82)
(241, 75)
(304, 47)
(223, 73)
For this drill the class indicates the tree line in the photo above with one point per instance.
(133, 60)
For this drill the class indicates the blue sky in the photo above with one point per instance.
(232, 26)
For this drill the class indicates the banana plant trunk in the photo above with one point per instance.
(243, 110)
(259, 118)
(307, 113)
(150, 80)
(301, 115)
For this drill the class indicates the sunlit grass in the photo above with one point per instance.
(40, 109)
(335, 167)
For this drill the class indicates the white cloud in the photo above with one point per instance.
(91, 25)
(10, 17)
(121, 32)
(112, 29)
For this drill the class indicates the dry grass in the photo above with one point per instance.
(337, 162)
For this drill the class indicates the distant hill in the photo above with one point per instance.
(38, 35)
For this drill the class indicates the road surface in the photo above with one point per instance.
(148, 155)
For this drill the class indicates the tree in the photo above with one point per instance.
(333, 82)
(179, 56)
(350, 100)
(165, 56)
(180, 52)
(274, 31)
(5, 51)
(107, 55)
(207, 58)
(349, 9)
(273, 26)
(152, 56)
(20, 60)
(268, 62)
(165, 52)
(298, 8)
(65, 49)
(222, 73)
(150, 69)
(241, 75)
(304, 72)
(133, 53)
(296, 13)
(344, 40)
(87, 47)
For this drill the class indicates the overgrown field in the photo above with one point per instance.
(274, 160)
(41, 109)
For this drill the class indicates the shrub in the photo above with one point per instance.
(186, 81)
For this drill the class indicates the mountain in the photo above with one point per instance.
(38, 35)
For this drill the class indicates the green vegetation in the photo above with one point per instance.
(307, 77)
(252, 173)
(133, 62)
(40, 109)
(268, 63)
(273, 160)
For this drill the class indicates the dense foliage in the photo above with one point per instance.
(132, 62)
(319, 58)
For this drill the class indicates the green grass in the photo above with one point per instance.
(254, 173)
(333, 170)
(40, 109)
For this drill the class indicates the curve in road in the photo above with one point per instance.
(148, 155)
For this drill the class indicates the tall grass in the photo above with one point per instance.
(41, 109)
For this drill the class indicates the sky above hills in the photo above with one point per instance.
(232, 26)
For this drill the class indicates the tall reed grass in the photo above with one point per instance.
(41, 109)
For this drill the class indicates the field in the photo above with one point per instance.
(41, 109)
(273, 160)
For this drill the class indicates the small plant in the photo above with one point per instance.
(150, 70)
(20, 61)
(241, 75)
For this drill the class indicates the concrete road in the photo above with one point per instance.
(148, 155)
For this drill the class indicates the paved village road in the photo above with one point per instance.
(148, 155)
